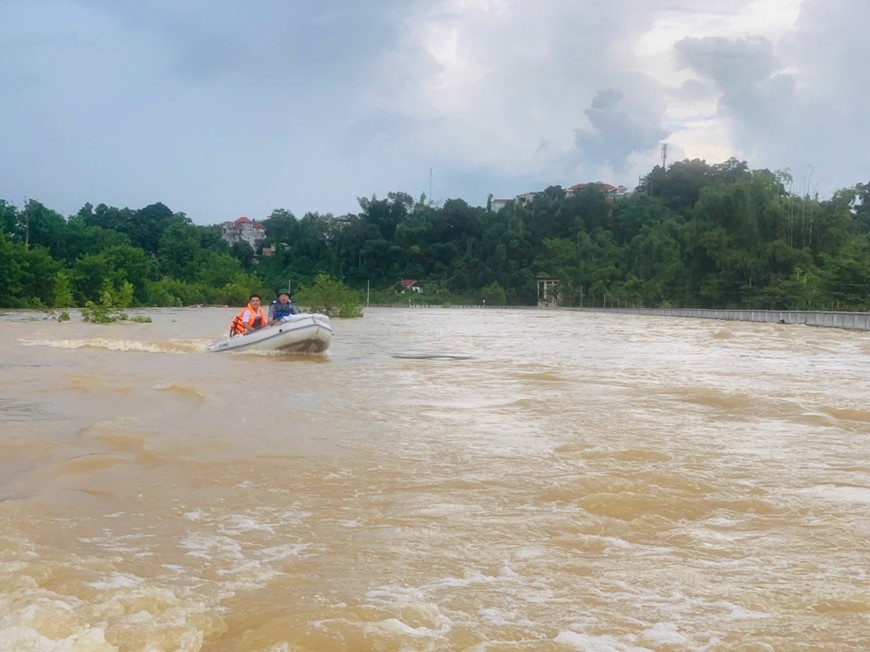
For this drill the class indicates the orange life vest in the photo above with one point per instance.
(256, 319)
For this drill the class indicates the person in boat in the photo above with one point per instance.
(249, 319)
(282, 307)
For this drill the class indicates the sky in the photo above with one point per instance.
(222, 108)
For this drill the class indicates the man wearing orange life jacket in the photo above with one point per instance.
(249, 319)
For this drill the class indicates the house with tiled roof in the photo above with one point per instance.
(410, 285)
(243, 229)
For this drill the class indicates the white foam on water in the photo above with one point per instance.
(211, 547)
(36, 619)
(740, 613)
(119, 542)
(117, 581)
(401, 594)
(593, 643)
(185, 346)
(666, 634)
(501, 617)
(249, 575)
(240, 524)
(280, 553)
(394, 626)
(610, 542)
(721, 521)
(230, 547)
(87, 639)
(195, 515)
(839, 493)
(508, 572)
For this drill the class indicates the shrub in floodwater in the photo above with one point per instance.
(330, 297)
(112, 301)
(47, 312)
(63, 297)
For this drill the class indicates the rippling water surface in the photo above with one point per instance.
(439, 480)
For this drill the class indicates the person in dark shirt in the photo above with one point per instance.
(281, 307)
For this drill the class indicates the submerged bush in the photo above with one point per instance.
(330, 297)
(112, 301)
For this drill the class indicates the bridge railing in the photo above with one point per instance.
(829, 319)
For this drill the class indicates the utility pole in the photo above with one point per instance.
(430, 186)
(26, 225)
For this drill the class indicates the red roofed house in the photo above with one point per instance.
(411, 284)
(243, 230)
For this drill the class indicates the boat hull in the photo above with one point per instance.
(306, 333)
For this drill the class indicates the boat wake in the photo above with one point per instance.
(176, 346)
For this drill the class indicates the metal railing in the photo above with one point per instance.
(849, 320)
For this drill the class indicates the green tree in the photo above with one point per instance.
(847, 274)
(9, 219)
(147, 225)
(244, 253)
(37, 274)
(181, 251)
(43, 227)
(329, 296)
(494, 294)
(63, 297)
(10, 273)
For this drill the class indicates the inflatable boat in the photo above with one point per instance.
(305, 333)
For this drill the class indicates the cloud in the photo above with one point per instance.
(617, 132)
(754, 95)
(729, 63)
(795, 103)
(221, 109)
(522, 90)
(216, 109)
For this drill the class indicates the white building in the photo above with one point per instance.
(496, 205)
(243, 230)
(606, 188)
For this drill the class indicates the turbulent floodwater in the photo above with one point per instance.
(439, 480)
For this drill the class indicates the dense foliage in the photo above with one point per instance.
(327, 295)
(690, 235)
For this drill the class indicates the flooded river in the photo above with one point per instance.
(474, 480)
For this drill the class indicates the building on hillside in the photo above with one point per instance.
(606, 188)
(411, 285)
(495, 205)
(548, 291)
(525, 198)
(243, 230)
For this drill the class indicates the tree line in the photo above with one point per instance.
(691, 235)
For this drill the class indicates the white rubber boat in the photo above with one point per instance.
(305, 333)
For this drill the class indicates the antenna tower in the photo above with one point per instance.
(664, 156)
